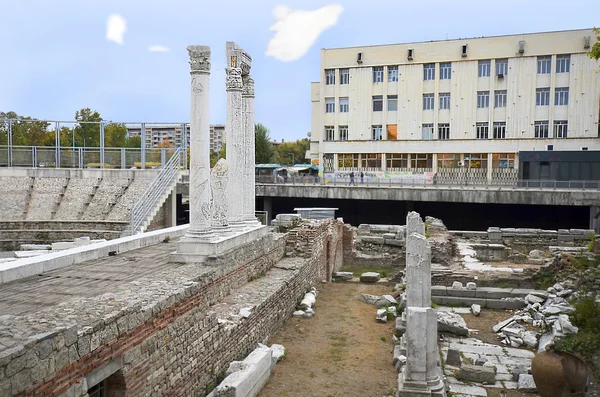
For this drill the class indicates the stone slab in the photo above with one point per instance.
(438, 290)
(493, 293)
(250, 380)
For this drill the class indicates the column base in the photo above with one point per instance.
(192, 250)
(251, 221)
(408, 388)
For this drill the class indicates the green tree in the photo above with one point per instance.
(134, 142)
(87, 133)
(265, 153)
(26, 131)
(298, 148)
(595, 51)
(215, 156)
(115, 135)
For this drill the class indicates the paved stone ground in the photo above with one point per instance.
(84, 280)
(504, 358)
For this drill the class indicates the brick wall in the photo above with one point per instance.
(174, 332)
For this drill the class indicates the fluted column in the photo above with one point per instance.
(200, 191)
(249, 204)
(234, 132)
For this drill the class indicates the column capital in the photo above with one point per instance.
(199, 58)
(234, 79)
(248, 86)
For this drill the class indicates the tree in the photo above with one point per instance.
(298, 148)
(595, 51)
(87, 133)
(215, 156)
(26, 131)
(115, 135)
(134, 142)
(263, 146)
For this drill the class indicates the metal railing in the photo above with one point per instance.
(168, 175)
(433, 182)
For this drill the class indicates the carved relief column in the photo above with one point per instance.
(200, 191)
(249, 205)
(235, 148)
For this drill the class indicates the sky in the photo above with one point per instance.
(127, 59)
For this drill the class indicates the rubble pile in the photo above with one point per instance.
(387, 306)
(305, 307)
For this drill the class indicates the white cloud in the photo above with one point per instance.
(297, 30)
(158, 48)
(116, 26)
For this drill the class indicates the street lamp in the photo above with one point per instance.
(292, 158)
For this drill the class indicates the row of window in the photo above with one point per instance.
(484, 67)
(542, 98)
(428, 132)
(425, 160)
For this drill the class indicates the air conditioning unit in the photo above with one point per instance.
(521, 46)
(500, 76)
(410, 54)
(464, 50)
(359, 57)
(586, 42)
(461, 163)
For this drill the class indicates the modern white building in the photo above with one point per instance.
(466, 104)
(175, 133)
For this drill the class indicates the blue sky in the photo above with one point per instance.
(56, 57)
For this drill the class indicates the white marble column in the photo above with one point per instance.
(234, 132)
(200, 191)
(249, 203)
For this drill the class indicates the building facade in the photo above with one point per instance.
(176, 134)
(456, 106)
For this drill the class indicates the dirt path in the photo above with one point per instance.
(339, 352)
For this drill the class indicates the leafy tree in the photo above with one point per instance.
(134, 142)
(298, 148)
(87, 133)
(26, 131)
(215, 156)
(265, 153)
(595, 51)
(115, 135)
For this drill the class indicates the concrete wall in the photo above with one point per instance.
(164, 335)
(470, 194)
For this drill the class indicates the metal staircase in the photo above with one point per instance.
(159, 190)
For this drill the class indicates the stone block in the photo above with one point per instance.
(277, 354)
(526, 383)
(477, 373)
(63, 245)
(369, 277)
(464, 293)
(373, 240)
(248, 381)
(453, 358)
(457, 285)
(493, 293)
(438, 290)
(343, 276)
(476, 310)
(451, 322)
(471, 285)
(394, 242)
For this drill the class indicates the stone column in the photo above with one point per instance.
(249, 203)
(200, 191)
(235, 149)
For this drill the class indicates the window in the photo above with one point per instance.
(392, 132)
(476, 160)
(563, 63)
(329, 105)
(421, 160)
(445, 71)
(378, 103)
(502, 67)
(376, 133)
(444, 100)
(344, 76)
(500, 99)
(392, 103)
(392, 74)
(544, 65)
(396, 160)
(500, 130)
(542, 97)
(503, 160)
(348, 160)
(483, 99)
(428, 101)
(482, 130)
(429, 71)
(344, 105)
(329, 133)
(97, 390)
(560, 128)
(448, 160)
(343, 129)
(370, 160)
(541, 129)
(427, 132)
(378, 74)
(561, 96)
(444, 131)
(329, 76)
(484, 68)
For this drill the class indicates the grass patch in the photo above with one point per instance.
(545, 278)
(584, 263)
(358, 270)
(257, 276)
(383, 339)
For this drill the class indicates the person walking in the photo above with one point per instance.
(352, 179)
(362, 178)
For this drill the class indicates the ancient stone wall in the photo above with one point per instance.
(172, 333)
